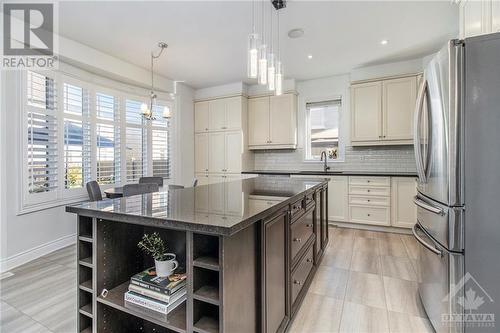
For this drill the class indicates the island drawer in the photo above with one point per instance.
(370, 215)
(301, 231)
(369, 190)
(369, 200)
(301, 272)
(309, 200)
(371, 181)
(297, 208)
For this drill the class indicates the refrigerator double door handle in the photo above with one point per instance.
(423, 242)
(416, 131)
(422, 204)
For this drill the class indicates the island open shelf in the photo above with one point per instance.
(239, 266)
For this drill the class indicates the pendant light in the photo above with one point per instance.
(262, 79)
(271, 66)
(253, 49)
(147, 111)
(278, 89)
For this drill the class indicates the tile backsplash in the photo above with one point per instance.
(389, 158)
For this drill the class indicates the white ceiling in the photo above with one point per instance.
(207, 40)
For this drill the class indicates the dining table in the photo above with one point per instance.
(117, 192)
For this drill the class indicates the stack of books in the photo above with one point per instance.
(158, 294)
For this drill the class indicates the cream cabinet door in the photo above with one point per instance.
(398, 100)
(234, 107)
(217, 114)
(283, 120)
(216, 194)
(258, 121)
(201, 148)
(234, 149)
(233, 196)
(217, 152)
(366, 106)
(203, 178)
(201, 195)
(338, 209)
(404, 212)
(201, 116)
(472, 18)
(495, 16)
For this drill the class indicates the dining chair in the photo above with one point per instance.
(134, 189)
(149, 180)
(175, 187)
(94, 191)
(195, 182)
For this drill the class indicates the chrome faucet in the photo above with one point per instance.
(325, 161)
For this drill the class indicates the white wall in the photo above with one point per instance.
(28, 236)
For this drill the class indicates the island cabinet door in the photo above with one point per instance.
(324, 220)
(275, 307)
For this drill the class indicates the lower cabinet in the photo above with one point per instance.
(403, 210)
(275, 287)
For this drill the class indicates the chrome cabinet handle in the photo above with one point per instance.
(424, 243)
(309, 225)
(297, 240)
(368, 191)
(368, 214)
(428, 207)
(297, 282)
(309, 260)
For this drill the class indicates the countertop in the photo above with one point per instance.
(331, 173)
(222, 208)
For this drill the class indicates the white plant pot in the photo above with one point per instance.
(165, 268)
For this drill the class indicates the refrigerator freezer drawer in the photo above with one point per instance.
(444, 224)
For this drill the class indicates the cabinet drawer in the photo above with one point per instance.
(370, 215)
(297, 208)
(369, 190)
(301, 230)
(299, 276)
(309, 200)
(372, 181)
(369, 200)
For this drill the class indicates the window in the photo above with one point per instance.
(77, 144)
(107, 139)
(136, 138)
(322, 129)
(160, 143)
(42, 136)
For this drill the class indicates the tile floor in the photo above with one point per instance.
(366, 283)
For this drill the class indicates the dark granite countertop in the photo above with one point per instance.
(222, 208)
(331, 173)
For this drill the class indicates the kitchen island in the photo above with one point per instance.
(249, 247)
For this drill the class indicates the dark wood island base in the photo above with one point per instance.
(245, 273)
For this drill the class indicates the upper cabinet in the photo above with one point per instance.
(272, 122)
(478, 17)
(382, 111)
(219, 114)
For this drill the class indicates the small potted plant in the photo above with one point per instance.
(165, 263)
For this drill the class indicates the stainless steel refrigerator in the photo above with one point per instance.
(457, 151)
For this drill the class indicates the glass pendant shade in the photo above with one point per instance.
(271, 72)
(263, 65)
(144, 109)
(166, 112)
(279, 79)
(253, 56)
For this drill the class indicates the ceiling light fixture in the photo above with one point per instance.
(296, 33)
(253, 49)
(147, 111)
(310, 56)
(384, 41)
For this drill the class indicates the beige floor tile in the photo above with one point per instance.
(392, 247)
(346, 232)
(369, 234)
(404, 323)
(341, 243)
(338, 259)
(357, 318)
(366, 289)
(369, 245)
(365, 262)
(411, 246)
(398, 267)
(402, 296)
(318, 314)
(13, 320)
(330, 281)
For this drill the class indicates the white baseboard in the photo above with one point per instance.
(36, 252)
(369, 227)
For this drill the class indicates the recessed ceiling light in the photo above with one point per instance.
(310, 56)
(384, 41)
(296, 33)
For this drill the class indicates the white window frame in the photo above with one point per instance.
(307, 130)
(145, 132)
(170, 136)
(30, 202)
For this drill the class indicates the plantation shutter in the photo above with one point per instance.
(107, 139)
(136, 139)
(77, 144)
(42, 133)
(160, 143)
